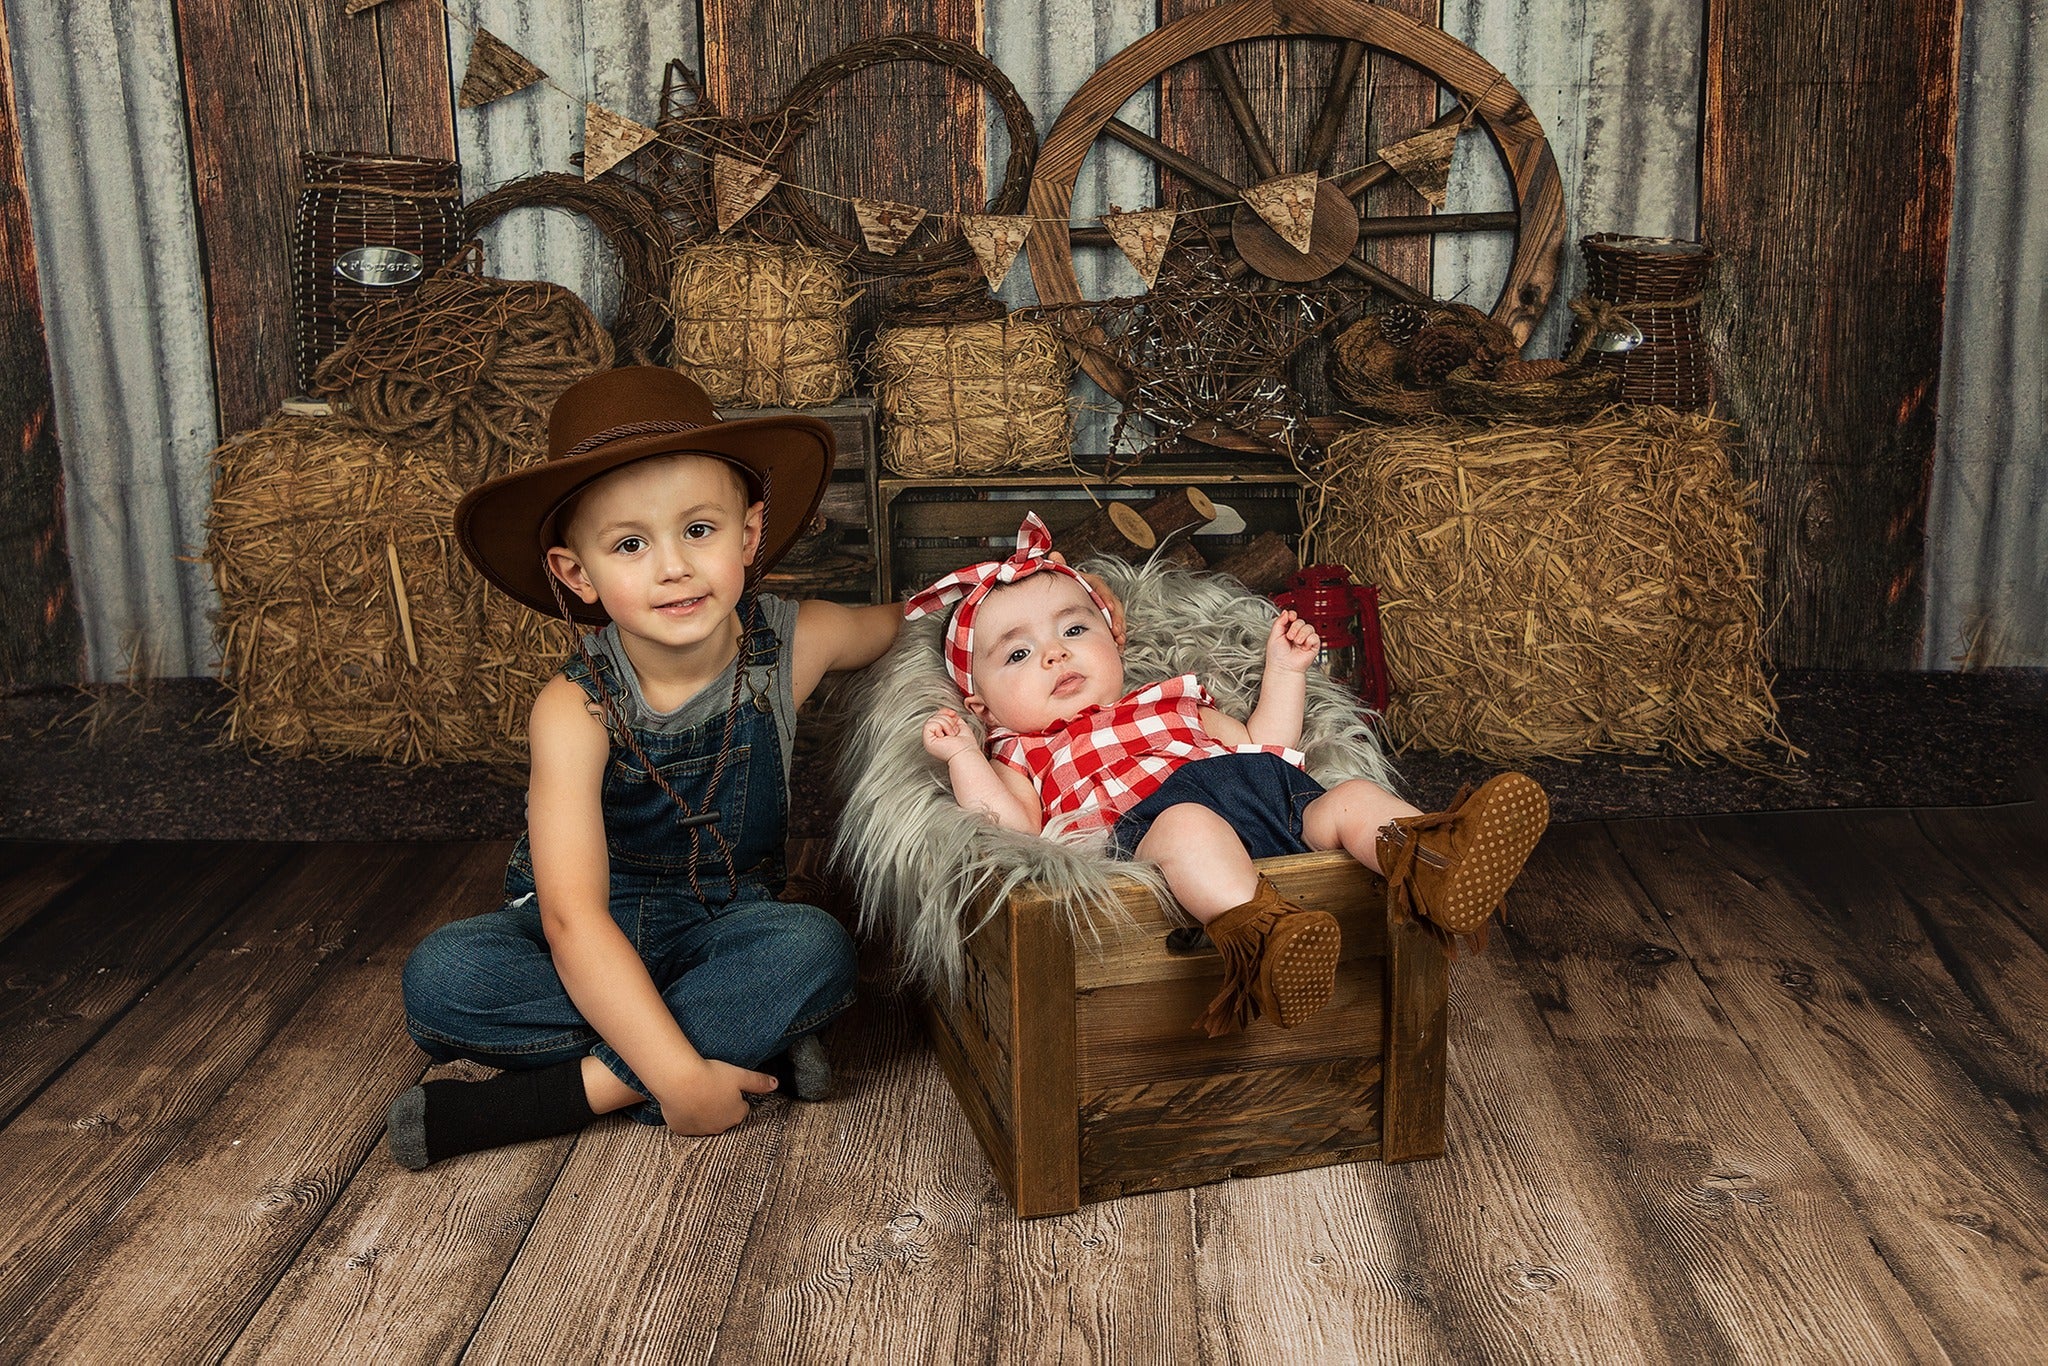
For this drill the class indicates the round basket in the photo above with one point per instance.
(1656, 283)
(1568, 394)
(370, 226)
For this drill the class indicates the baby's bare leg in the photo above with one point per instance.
(1349, 816)
(1203, 859)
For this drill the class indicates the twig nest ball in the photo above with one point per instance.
(761, 325)
(972, 397)
(1558, 589)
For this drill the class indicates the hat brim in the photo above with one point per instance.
(500, 523)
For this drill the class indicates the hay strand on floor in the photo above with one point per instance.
(972, 397)
(1559, 589)
(762, 326)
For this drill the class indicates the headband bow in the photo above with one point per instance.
(971, 585)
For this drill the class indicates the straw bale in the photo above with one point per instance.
(1559, 589)
(349, 623)
(972, 398)
(760, 325)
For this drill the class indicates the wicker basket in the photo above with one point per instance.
(1657, 284)
(972, 397)
(762, 326)
(370, 226)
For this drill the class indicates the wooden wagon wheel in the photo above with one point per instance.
(800, 111)
(1260, 254)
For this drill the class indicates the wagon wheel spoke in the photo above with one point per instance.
(1393, 285)
(1376, 170)
(1429, 224)
(1322, 140)
(1256, 144)
(1194, 172)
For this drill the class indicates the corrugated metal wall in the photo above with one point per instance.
(1987, 518)
(1617, 86)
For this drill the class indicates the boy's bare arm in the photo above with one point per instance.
(1001, 793)
(598, 965)
(831, 636)
(1291, 649)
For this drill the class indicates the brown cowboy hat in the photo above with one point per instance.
(611, 419)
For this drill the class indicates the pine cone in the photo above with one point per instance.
(1400, 323)
(1437, 350)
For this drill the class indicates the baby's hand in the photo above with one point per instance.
(946, 735)
(1292, 645)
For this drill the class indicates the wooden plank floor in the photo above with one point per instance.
(1765, 1088)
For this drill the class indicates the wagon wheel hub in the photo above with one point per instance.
(1332, 236)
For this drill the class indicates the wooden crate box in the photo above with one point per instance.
(1083, 1077)
(854, 574)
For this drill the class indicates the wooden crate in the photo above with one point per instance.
(855, 573)
(930, 527)
(1083, 1077)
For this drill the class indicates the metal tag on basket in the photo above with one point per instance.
(380, 267)
(1626, 340)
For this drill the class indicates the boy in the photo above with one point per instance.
(1038, 658)
(641, 957)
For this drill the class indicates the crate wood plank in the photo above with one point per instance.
(1950, 1196)
(861, 1240)
(1044, 1105)
(1145, 1031)
(108, 940)
(259, 93)
(1214, 1125)
(1843, 447)
(92, 1138)
(190, 1259)
(406, 1263)
(41, 639)
(37, 873)
(1418, 994)
(972, 516)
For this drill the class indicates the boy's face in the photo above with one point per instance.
(1042, 653)
(664, 545)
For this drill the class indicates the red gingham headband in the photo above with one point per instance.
(970, 585)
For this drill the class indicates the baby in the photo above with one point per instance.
(1037, 654)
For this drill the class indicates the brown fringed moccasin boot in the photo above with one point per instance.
(1453, 867)
(1279, 961)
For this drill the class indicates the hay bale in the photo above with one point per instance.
(760, 325)
(972, 397)
(1560, 589)
(349, 623)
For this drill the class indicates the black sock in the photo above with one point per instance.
(445, 1118)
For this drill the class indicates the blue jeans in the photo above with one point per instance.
(744, 980)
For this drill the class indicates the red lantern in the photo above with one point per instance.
(1347, 616)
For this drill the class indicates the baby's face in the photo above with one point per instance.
(1042, 653)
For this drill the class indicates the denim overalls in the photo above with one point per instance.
(744, 974)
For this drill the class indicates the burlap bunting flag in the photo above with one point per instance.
(1424, 161)
(886, 224)
(609, 139)
(1143, 235)
(996, 239)
(494, 71)
(1288, 205)
(738, 186)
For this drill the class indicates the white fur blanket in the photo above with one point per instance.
(919, 861)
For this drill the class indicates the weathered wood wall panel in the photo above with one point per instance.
(40, 641)
(1617, 87)
(263, 85)
(1987, 519)
(610, 51)
(1048, 50)
(103, 137)
(1826, 185)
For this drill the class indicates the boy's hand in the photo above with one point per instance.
(946, 735)
(1292, 644)
(713, 1098)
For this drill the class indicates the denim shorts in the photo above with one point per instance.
(1261, 795)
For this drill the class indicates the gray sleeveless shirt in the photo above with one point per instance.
(779, 614)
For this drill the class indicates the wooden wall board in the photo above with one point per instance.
(41, 640)
(1872, 1091)
(190, 1258)
(64, 999)
(260, 92)
(1833, 125)
(97, 1133)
